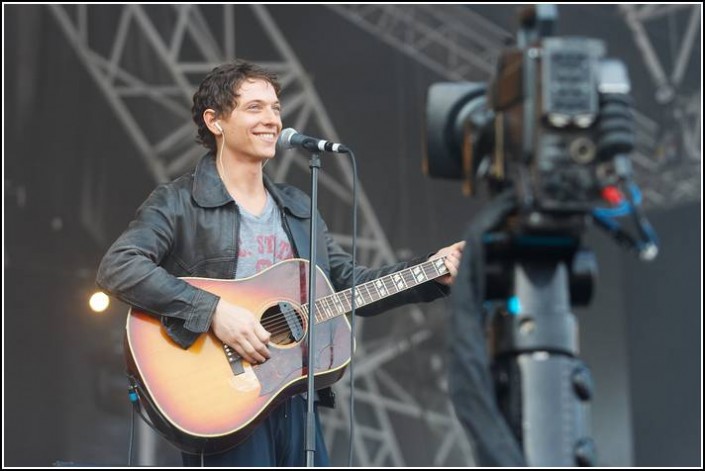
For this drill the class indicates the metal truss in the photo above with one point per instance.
(460, 45)
(147, 61)
(452, 40)
(673, 167)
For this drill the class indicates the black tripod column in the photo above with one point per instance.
(543, 388)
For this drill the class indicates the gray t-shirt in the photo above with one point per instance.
(262, 241)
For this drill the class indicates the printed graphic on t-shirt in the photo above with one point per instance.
(266, 252)
(262, 241)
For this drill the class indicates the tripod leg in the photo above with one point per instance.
(542, 387)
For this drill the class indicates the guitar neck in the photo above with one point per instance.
(340, 303)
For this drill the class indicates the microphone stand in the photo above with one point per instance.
(314, 165)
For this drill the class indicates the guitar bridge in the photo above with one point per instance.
(234, 359)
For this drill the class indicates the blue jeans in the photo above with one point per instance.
(277, 441)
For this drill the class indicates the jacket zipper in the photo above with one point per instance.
(237, 238)
(285, 223)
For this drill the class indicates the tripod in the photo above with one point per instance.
(542, 387)
(532, 407)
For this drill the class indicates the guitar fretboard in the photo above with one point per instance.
(340, 303)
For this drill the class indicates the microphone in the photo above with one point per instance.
(290, 138)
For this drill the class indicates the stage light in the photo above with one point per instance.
(99, 301)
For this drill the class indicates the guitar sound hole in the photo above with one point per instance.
(284, 322)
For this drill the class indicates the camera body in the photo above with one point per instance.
(550, 123)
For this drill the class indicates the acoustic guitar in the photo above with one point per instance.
(206, 399)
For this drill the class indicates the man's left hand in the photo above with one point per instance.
(452, 253)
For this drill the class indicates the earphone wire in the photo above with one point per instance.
(220, 157)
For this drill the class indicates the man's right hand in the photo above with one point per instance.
(238, 328)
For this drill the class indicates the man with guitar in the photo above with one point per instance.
(218, 362)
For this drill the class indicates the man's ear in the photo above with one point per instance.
(210, 118)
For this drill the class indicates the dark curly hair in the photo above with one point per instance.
(218, 91)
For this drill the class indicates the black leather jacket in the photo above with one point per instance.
(189, 227)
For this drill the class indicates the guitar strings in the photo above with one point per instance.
(277, 322)
(277, 319)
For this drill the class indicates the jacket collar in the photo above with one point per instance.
(290, 198)
(209, 190)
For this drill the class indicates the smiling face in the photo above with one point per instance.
(252, 128)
